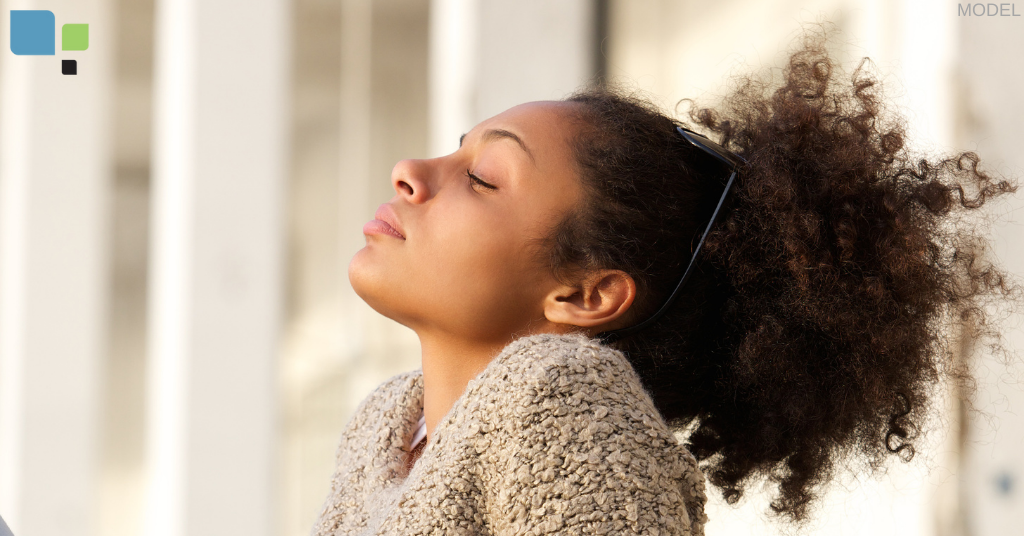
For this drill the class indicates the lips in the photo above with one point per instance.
(386, 214)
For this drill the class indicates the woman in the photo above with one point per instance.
(569, 327)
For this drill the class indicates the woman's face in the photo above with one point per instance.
(466, 266)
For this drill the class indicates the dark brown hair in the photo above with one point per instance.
(815, 324)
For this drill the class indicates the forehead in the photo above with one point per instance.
(544, 126)
(537, 113)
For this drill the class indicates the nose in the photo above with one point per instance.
(410, 179)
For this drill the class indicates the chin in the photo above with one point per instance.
(364, 277)
(373, 285)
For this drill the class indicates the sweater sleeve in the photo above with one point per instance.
(578, 448)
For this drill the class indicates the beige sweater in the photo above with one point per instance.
(555, 436)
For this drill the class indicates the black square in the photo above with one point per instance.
(69, 66)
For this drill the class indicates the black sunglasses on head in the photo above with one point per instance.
(728, 157)
(732, 161)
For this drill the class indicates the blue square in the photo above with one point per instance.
(33, 32)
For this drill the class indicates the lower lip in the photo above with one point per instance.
(380, 227)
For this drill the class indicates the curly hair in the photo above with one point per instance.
(813, 329)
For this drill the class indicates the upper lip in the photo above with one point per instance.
(386, 214)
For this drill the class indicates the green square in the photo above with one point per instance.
(74, 37)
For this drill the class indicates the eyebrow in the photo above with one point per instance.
(498, 133)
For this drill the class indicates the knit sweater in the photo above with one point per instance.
(555, 436)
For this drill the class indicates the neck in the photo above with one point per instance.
(448, 365)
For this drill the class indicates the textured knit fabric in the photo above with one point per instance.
(555, 436)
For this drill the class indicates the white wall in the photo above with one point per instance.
(490, 55)
(55, 174)
(220, 150)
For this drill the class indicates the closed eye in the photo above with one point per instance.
(474, 179)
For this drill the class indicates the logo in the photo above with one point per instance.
(33, 33)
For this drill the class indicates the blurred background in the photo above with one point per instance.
(179, 344)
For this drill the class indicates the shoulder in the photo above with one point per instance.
(564, 362)
(367, 438)
(577, 443)
(383, 409)
(571, 376)
(397, 391)
(541, 373)
(400, 386)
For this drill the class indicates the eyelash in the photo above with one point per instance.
(474, 179)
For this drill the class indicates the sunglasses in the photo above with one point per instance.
(732, 161)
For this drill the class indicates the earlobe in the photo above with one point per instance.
(601, 299)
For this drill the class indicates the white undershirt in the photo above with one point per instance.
(421, 432)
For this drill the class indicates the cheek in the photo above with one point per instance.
(479, 256)
(472, 245)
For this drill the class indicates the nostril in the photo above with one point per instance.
(409, 179)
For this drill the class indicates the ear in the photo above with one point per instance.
(603, 298)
